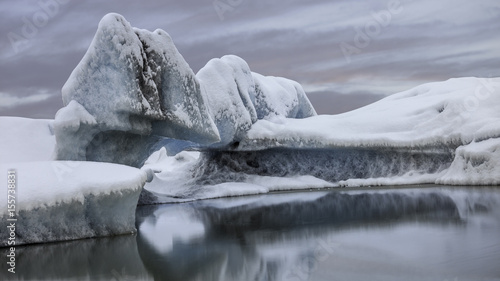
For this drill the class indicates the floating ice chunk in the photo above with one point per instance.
(65, 200)
(444, 132)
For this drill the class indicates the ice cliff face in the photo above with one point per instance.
(133, 89)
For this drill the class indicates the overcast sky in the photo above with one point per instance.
(345, 53)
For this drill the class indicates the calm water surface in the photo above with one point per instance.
(410, 233)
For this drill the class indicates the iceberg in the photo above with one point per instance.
(228, 85)
(280, 97)
(133, 92)
(134, 100)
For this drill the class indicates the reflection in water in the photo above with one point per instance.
(113, 258)
(413, 234)
(390, 234)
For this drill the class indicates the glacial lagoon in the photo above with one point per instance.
(392, 233)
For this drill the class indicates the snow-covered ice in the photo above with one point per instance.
(63, 200)
(476, 163)
(237, 97)
(280, 97)
(228, 84)
(444, 132)
(449, 113)
(133, 83)
(141, 93)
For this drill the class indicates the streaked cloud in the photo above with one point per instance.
(427, 41)
(7, 100)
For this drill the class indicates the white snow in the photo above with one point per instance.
(227, 83)
(24, 139)
(449, 113)
(277, 96)
(71, 116)
(47, 183)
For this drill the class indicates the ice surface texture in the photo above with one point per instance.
(237, 97)
(332, 165)
(133, 89)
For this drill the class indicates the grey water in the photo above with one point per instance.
(391, 233)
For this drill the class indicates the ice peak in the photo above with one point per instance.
(140, 90)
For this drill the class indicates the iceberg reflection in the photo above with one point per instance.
(396, 233)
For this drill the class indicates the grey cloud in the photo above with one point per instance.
(296, 39)
(45, 109)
